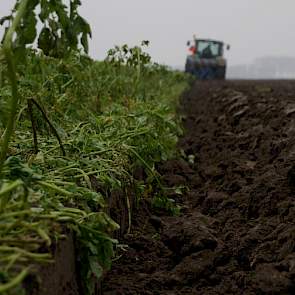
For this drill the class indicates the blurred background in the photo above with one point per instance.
(260, 32)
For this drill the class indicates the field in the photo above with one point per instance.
(235, 180)
(122, 176)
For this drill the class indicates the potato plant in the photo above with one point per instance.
(72, 130)
(59, 35)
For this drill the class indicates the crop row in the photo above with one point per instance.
(82, 127)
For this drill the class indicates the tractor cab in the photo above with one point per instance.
(209, 48)
(206, 60)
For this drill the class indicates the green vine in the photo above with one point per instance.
(8, 53)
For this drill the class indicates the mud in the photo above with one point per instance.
(236, 231)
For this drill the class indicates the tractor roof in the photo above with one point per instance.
(209, 40)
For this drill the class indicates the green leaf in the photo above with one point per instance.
(145, 43)
(45, 41)
(45, 10)
(29, 29)
(95, 267)
(84, 42)
(20, 54)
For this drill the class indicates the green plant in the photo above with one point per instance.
(116, 128)
(58, 36)
(126, 56)
(161, 201)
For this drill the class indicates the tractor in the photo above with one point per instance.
(206, 59)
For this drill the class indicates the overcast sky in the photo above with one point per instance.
(253, 28)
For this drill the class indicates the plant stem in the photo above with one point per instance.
(34, 129)
(14, 282)
(50, 125)
(8, 53)
(10, 187)
(54, 188)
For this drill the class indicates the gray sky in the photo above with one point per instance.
(254, 28)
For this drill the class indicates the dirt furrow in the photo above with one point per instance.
(236, 232)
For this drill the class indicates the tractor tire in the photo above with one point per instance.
(188, 68)
(220, 73)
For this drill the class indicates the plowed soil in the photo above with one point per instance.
(236, 230)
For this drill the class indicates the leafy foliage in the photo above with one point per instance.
(133, 57)
(62, 31)
(113, 129)
(110, 116)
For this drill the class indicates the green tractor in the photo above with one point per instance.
(206, 59)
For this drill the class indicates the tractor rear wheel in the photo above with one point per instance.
(220, 73)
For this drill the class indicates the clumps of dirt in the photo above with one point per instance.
(236, 233)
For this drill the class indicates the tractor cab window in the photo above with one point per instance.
(208, 49)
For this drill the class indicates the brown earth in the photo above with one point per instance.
(236, 232)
